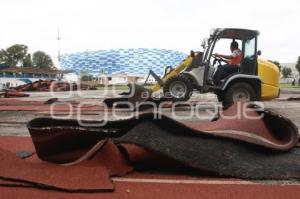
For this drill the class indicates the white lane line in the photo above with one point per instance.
(174, 181)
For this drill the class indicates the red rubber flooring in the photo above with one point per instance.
(138, 190)
(153, 185)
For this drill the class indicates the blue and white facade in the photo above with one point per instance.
(128, 61)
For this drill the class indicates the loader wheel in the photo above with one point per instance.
(178, 88)
(238, 91)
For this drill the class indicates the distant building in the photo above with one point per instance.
(122, 64)
(120, 79)
(16, 76)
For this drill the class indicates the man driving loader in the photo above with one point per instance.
(233, 61)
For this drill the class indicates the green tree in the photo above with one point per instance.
(27, 61)
(298, 65)
(13, 55)
(42, 60)
(276, 63)
(3, 58)
(85, 76)
(286, 72)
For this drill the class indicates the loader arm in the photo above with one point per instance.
(181, 67)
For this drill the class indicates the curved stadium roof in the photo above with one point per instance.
(132, 61)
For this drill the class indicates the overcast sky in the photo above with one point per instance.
(170, 24)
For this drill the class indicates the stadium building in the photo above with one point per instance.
(121, 65)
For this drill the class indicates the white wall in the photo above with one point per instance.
(13, 82)
(71, 77)
(118, 80)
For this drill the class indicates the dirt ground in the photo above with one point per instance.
(16, 112)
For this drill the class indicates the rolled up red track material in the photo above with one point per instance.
(247, 146)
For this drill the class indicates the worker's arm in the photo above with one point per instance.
(224, 56)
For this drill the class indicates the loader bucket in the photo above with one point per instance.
(138, 94)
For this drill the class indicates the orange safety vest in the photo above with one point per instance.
(237, 59)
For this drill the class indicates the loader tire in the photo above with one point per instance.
(237, 91)
(178, 88)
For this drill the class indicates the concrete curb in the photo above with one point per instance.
(290, 91)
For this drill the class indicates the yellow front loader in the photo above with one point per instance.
(256, 79)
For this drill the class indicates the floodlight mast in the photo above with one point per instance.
(58, 38)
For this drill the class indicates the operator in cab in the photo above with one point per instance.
(233, 62)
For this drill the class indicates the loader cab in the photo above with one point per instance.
(245, 83)
(247, 40)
